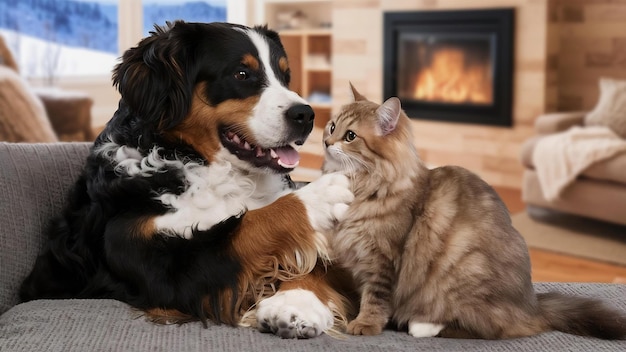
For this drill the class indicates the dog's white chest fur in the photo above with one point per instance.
(213, 192)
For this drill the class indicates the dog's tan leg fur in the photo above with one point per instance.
(167, 316)
(269, 238)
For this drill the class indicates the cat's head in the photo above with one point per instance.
(364, 135)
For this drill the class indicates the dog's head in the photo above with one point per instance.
(219, 88)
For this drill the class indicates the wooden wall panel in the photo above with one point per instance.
(592, 37)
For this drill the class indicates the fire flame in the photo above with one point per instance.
(450, 79)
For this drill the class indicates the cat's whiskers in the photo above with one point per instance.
(344, 160)
(362, 162)
(349, 163)
(352, 161)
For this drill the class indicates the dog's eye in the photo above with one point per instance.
(241, 75)
(332, 127)
(350, 136)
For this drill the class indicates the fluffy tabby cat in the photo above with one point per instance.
(434, 250)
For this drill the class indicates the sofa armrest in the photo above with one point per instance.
(558, 121)
(34, 182)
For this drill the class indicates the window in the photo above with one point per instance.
(160, 11)
(61, 38)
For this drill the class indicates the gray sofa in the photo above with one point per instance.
(34, 179)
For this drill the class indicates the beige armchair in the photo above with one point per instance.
(598, 193)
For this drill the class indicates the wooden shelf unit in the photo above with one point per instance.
(309, 54)
(309, 50)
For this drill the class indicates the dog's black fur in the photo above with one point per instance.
(92, 250)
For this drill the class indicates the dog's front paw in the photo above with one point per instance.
(294, 314)
(326, 200)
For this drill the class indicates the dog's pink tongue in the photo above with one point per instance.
(287, 157)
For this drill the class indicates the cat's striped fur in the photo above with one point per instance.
(434, 250)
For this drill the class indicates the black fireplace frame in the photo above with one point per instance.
(498, 23)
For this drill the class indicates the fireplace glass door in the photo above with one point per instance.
(446, 69)
(451, 65)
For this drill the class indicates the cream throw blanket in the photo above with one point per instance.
(561, 157)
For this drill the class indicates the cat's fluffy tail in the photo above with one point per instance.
(582, 316)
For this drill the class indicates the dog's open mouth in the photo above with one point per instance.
(282, 159)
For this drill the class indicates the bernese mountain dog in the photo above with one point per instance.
(185, 209)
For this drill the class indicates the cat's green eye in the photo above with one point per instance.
(332, 127)
(350, 136)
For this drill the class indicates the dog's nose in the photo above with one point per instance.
(301, 113)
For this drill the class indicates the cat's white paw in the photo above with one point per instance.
(326, 200)
(418, 329)
(294, 314)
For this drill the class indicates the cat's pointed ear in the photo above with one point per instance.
(357, 96)
(388, 115)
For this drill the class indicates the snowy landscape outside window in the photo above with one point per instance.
(159, 11)
(65, 38)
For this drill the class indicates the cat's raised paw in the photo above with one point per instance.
(359, 327)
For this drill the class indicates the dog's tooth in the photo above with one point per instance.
(236, 139)
(280, 162)
(273, 154)
(259, 152)
(246, 146)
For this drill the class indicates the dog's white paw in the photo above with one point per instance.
(294, 314)
(326, 200)
(418, 329)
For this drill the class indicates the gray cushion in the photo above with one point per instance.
(106, 325)
(34, 179)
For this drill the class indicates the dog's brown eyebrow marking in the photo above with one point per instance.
(283, 64)
(250, 61)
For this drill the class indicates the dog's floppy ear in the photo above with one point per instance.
(271, 34)
(274, 38)
(151, 78)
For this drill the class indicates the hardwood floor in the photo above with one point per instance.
(546, 266)
(556, 267)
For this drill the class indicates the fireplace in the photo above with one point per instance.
(451, 65)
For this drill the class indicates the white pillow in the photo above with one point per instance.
(610, 110)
